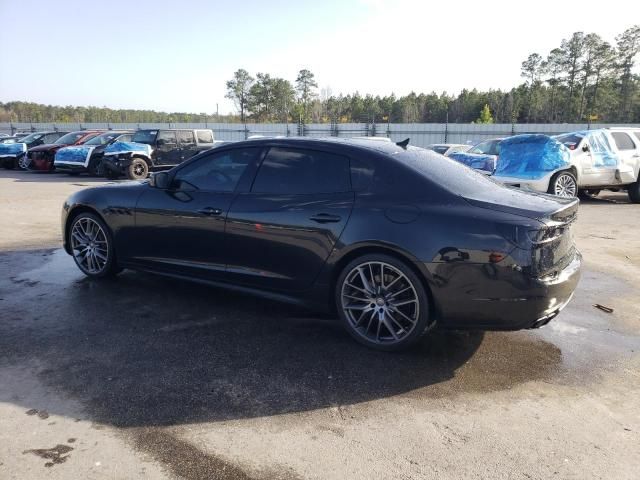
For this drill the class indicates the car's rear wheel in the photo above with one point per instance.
(588, 193)
(92, 246)
(382, 302)
(564, 184)
(138, 170)
(634, 192)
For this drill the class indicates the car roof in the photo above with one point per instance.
(355, 143)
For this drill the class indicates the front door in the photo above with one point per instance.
(181, 229)
(282, 231)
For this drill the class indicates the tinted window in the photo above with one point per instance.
(185, 137)
(216, 172)
(145, 136)
(623, 141)
(204, 136)
(294, 171)
(127, 137)
(51, 137)
(166, 137)
(69, 138)
(32, 138)
(102, 139)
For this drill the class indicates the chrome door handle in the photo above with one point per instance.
(210, 211)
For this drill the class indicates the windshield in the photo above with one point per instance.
(145, 136)
(32, 138)
(490, 147)
(69, 138)
(103, 139)
(570, 140)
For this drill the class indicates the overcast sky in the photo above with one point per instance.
(177, 55)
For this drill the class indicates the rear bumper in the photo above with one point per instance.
(491, 297)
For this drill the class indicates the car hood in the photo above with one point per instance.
(12, 148)
(128, 147)
(538, 206)
(74, 153)
(48, 147)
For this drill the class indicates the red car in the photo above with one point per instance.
(41, 157)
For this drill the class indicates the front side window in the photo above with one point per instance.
(293, 171)
(145, 136)
(167, 137)
(103, 139)
(216, 172)
(69, 138)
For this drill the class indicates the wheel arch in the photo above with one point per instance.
(73, 213)
(398, 254)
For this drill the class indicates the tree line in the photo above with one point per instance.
(584, 79)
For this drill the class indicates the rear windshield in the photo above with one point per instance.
(145, 136)
(451, 175)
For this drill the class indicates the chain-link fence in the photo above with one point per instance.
(421, 134)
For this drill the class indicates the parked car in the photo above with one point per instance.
(447, 148)
(395, 239)
(607, 158)
(14, 152)
(41, 158)
(154, 149)
(482, 156)
(88, 156)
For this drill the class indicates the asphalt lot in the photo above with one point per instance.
(147, 377)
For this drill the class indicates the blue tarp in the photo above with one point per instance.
(531, 156)
(475, 160)
(12, 148)
(75, 154)
(128, 147)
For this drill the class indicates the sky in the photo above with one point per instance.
(177, 56)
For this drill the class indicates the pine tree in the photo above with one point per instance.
(485, 115)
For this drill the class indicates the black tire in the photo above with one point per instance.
(110, 175)
(634, 192)
(96, 169)
(563, 184)
(588, 193)
(403, 307)
(9, 164)
(138, 170)
(110, 266)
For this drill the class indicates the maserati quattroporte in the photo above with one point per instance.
(394, 239)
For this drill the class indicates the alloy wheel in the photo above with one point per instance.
(90, 245)
(380, 302)
(565, 186)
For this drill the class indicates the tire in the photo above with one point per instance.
(138, 170)
(390, 319)
(96, 168)
(91, 245)
(634, 192)
(9, 164)
(588, 193)
(109, 175)
(563, 184)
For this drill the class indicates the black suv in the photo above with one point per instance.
(154, 149)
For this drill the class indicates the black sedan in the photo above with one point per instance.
(395, 239)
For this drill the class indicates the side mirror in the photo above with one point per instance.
(585, 147)
(160, 180)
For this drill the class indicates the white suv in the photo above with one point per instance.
(607, 158)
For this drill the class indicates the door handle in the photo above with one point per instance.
(325, 218)
(210, 211)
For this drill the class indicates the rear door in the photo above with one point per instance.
(167, 151)
(629, 152)
(186, 144)
(282, 231)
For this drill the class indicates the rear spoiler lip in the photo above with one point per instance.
(566, 214)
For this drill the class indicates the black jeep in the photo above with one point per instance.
(154, 149)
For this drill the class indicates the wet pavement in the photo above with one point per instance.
(143, 376)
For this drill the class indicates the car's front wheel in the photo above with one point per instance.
(382, 303)
(634, 192)
(138, 170)
(564, 184)
(92, 246)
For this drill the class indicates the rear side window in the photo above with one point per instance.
(623, 141)
(296, 171)
(185, 137)
(204, 136)
(166, 137)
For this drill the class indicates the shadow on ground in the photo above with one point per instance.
(143, 350)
